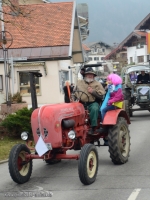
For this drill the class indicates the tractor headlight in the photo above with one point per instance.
(71, 134)
(24, 135)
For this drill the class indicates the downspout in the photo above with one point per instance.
(72, 30)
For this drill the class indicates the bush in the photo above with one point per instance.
(18, 122)
(15, 98)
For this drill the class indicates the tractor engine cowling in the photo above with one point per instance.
(48, 120)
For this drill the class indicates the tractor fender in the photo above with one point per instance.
(112, 115)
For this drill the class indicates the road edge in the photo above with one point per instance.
(3, 161)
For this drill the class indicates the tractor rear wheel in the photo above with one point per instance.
(19, 168)
(119, 142)
(126, 104)
(88, 164)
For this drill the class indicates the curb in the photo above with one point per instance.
(3, 161)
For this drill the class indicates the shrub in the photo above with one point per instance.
(15, 98)
(18, 122)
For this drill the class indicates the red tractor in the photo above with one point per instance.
(61, 127)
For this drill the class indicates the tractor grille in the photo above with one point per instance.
(38, 132)
(45, 132)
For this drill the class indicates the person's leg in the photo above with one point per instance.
(104, 110)
(94, 112)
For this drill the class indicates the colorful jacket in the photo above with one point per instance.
(113, 95)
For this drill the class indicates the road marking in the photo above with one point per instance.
(134, 194)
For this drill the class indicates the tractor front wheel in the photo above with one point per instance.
(19, 168)
(119, 142)
(88, 164)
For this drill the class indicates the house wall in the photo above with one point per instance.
(50, 85)
(134, 53)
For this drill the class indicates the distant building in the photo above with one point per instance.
(96, 55)
(136, 43)
(117, 59)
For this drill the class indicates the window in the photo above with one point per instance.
(140, 45)
(96, 58)
(123, 55)
(103, 50)
(140, 59)
(131, 60)
(148, 58)
(102, 58)
(90, 59)
(24, 83)
(99, 50)
(63, 76)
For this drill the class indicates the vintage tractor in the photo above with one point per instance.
(61, 127)
(136, 95)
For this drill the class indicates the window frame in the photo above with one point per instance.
(139, 59)
(28, 86)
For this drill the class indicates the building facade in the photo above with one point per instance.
(48, 42)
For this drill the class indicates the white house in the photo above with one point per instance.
(97, 54)
(48, 41)
(136, 43)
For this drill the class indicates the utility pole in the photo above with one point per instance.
(6, 42)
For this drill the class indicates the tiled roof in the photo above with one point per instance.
(47, 25)
(85, 47)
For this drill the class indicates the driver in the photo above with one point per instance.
(93, 94)
(143, 77)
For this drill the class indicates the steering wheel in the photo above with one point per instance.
(79, 96)
(143, 82)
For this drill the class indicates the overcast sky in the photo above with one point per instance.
(111, 21)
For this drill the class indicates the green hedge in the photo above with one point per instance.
(18, 122)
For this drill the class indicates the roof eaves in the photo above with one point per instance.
(129, 37)
(142, 22)
(111, 53)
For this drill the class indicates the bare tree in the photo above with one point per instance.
(12, 7)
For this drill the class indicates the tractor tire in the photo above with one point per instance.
(127, 94)
(119, 142)
(126, 103)
(130, 112)
(19, 172)
(88, 164)
(52, 161)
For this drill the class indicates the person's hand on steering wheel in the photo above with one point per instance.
(90, 90)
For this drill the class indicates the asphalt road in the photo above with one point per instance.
(114, 182)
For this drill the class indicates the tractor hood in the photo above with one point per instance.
(47, 121)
